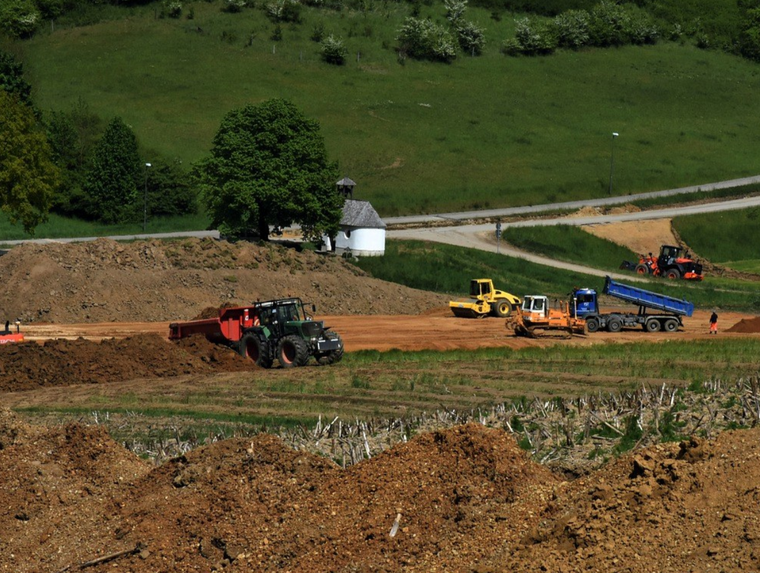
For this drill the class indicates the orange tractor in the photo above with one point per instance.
(669, 264)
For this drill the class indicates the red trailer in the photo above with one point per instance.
(226, 328)
(267, 330)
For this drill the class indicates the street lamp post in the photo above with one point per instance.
(145, 199)
(612, 159)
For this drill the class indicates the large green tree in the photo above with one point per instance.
(111, 183)
(28, 176)
(269, 167)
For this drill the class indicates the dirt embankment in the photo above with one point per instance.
(66, 362)
(104, 281)
(462, 500)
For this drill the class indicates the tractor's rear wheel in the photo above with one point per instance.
(332, 356)
(292, 351)
(251, 346)
(642, 270)
(502, 308)
(673, 274)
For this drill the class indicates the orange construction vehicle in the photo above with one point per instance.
(8, 336)
(535, 319)
(669, 264)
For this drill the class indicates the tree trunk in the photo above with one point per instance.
(263, 229)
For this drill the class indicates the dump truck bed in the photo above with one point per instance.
(648, 299)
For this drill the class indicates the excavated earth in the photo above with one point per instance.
(107, 281)
(465, 499)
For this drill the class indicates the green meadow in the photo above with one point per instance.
(487, 131)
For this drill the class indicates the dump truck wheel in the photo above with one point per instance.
(642, 269)
(671, 325)
(332, 356)
(653, 325)
(614, 325)
(251, 346)
(673, 274)
(502, 308)
(592, 324)
(292, 351)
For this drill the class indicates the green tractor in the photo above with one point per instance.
(283, 331)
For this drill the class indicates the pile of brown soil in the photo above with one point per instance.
(65, 362)
(464, 499)
(746, 326)
(104, 281)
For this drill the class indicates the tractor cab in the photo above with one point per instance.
(584, 302)
(669, 254)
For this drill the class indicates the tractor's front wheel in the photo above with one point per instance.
(251, 346)
(292, 351)
(332, 356)
(502, 308)
(642, 269)
(673, 274)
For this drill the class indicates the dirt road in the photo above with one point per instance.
(436, 330)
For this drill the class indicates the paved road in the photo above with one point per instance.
(480, 236)
(569, 205)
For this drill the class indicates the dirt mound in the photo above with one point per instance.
(678, 507)
(64, 362)
(102, 281)
(746, 326)
(641, 237)
(58, 489)
(464, 499)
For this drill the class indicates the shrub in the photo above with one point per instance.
(233, 6)
(171, 9)
(641, 28)
(333, 51)
(318, 32)
(425, 40)
(572, 29)
(284, 11)
(12, 78)
(534, 38)
(471, 38)
(609, 24)
(19, 18)
(454, 10)
(169, 191)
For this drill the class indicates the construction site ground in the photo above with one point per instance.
(461, 499)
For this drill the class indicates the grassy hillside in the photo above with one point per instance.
(419, 137)
(731, 238)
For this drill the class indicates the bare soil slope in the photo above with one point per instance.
(464, 499)
(105, 281)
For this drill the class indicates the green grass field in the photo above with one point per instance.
(372, 385)
(447, 269)
(569, 243)
(731, 238)
(420, 137)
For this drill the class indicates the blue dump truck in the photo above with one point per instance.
(656, 311)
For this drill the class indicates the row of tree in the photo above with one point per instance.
(734, 27)
(268, 167)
